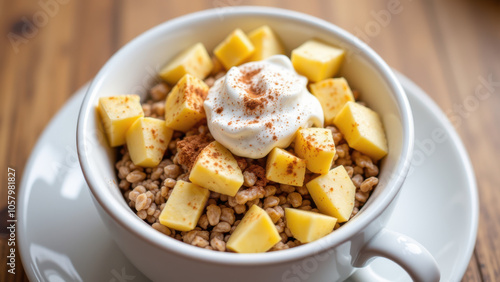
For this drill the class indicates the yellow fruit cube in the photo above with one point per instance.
(285, 168)
(256, 233)
(333, 94)
(308, 226)
(184, 206)
(117, 115)
(216, 169)
(184, 105)
(362, 129)
(333, 193)
(234, 49)
(317, 60)
(147, 141)
(266, 44)
(316, 146)
(195, 61)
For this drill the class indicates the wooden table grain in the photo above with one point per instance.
(49, 48)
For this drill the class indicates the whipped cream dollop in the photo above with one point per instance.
(260, 105)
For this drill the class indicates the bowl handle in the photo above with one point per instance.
(403, 250)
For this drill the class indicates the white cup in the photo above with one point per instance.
(334, 257)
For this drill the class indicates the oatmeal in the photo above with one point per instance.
(240, 174)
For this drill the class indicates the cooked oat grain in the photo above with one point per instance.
(147, 190)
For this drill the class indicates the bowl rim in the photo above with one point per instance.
(138, 228)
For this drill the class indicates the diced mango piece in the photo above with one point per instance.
(184, 105)
(117, 115)
(362, 129)
(266, 44)
(184, 206)
(333, 94)
(317, 60)
(333, 193)
(234, 49)
(256, 233)
(316, 146)
(194, 60)
(308, 226)
(147, 141)
(285, 168)
(216, 169)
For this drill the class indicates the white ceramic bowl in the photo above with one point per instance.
(133, 69)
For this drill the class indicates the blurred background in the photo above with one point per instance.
(50, 48)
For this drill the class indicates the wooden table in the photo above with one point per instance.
(445, 46)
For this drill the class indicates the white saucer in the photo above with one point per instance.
(61, 237)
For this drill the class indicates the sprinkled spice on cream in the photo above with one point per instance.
(260, 105)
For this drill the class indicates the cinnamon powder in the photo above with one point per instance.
(190, 147)
(255, 93)
(260, 172)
